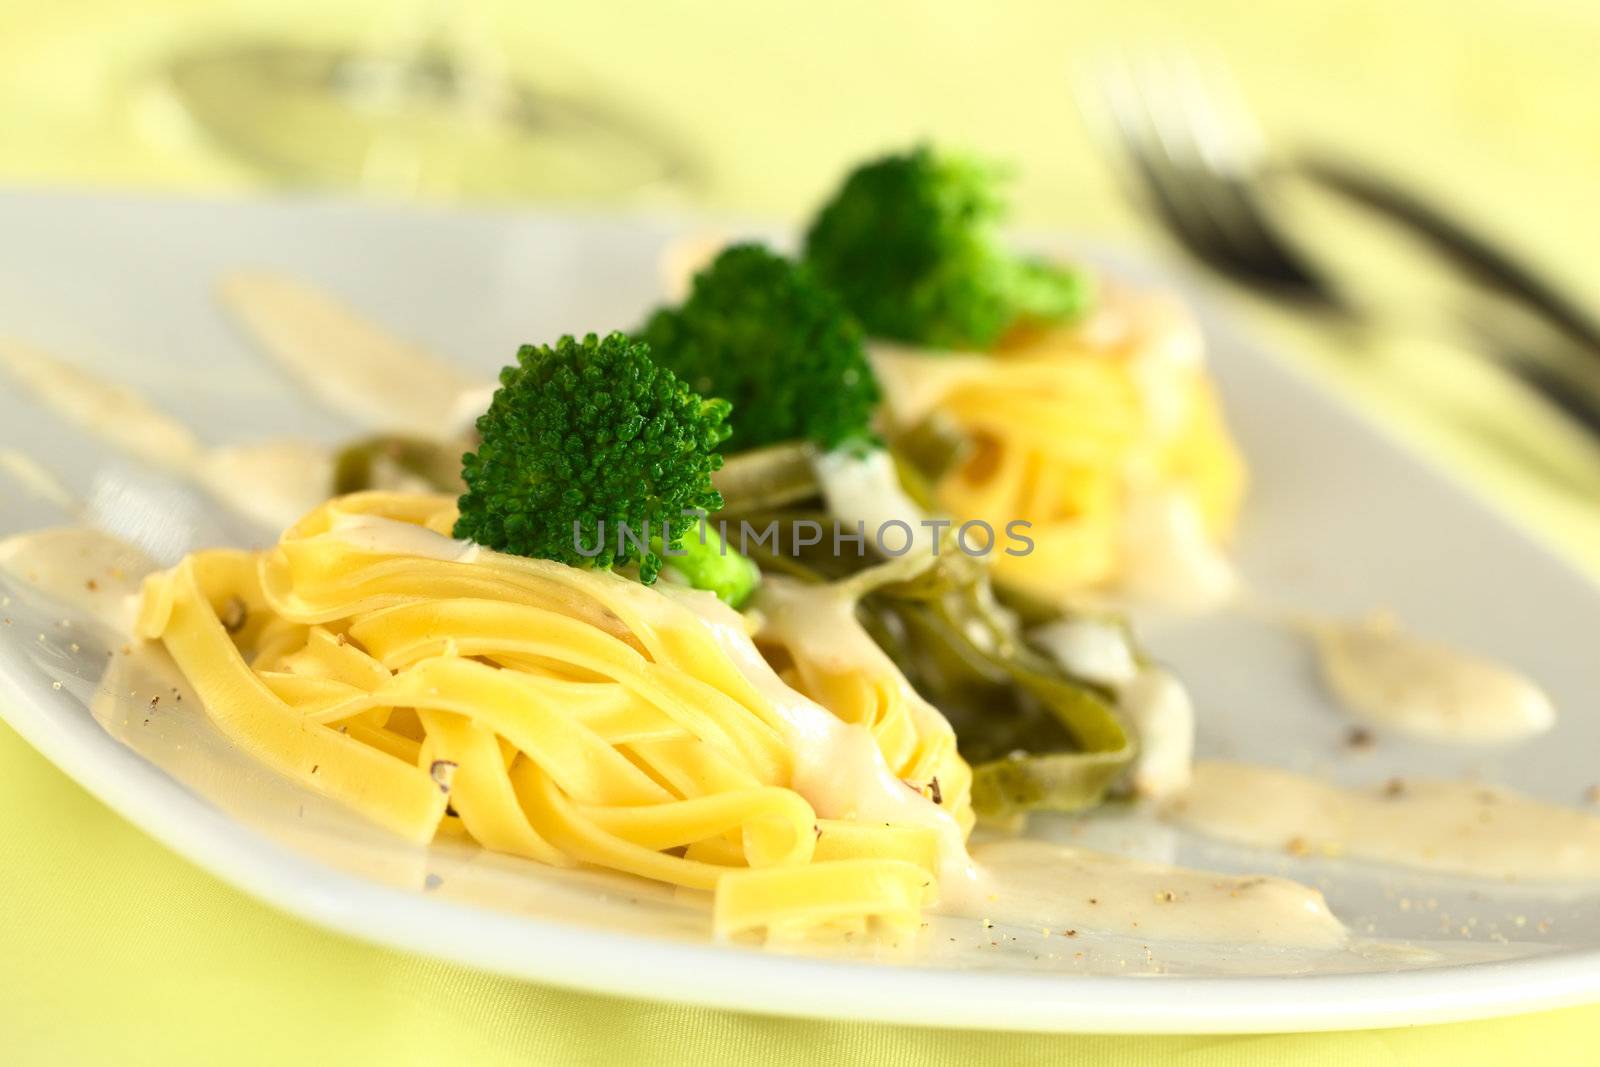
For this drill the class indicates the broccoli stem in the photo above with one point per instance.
(707, 562)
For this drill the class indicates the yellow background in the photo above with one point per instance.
(111, 950)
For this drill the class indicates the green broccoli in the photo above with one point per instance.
(588, 441)
(761, 331)
(911, 243)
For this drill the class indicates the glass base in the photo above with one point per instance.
(420, 124)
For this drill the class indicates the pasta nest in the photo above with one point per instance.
(1064, 427)
(571, 717)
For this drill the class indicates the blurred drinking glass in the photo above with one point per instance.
(431, 111)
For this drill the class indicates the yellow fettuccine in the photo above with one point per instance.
(1065, 423)
(566, 716)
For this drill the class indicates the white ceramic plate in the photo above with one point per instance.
(1339, 522)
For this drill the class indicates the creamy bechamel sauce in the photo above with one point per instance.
(1158, 706)
(85, 570)
(273, 482)
(1153, 699)
(1168, 558)
(1395, 679)
(36, 479)
(1452, 827)
(1034, 883)
(343, 359)
(866, 489)
(1092, 648)
(114, 413)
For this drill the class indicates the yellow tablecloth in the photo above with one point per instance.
(112, 950)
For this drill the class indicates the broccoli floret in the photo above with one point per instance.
(761, 331)
(587, 439)
(911, 243)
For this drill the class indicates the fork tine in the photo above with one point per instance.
(1218, 167)
(1227, 137)
(1204, 162)
(1196, 154)
(1153, 148)
(1161, 182)
(1230, 150)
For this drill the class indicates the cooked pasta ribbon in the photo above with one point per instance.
(567, 716)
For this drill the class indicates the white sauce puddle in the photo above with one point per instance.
(1153, 699)
(272, 482)
(37, 480)
(114, 413)
(1395, 679)
(87, 571)
(1036, 884)
(344, 360)
(1158, 706)
(1451, 827)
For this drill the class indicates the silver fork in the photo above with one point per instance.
(1197, 157)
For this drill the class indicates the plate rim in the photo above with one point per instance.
(754, 981)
